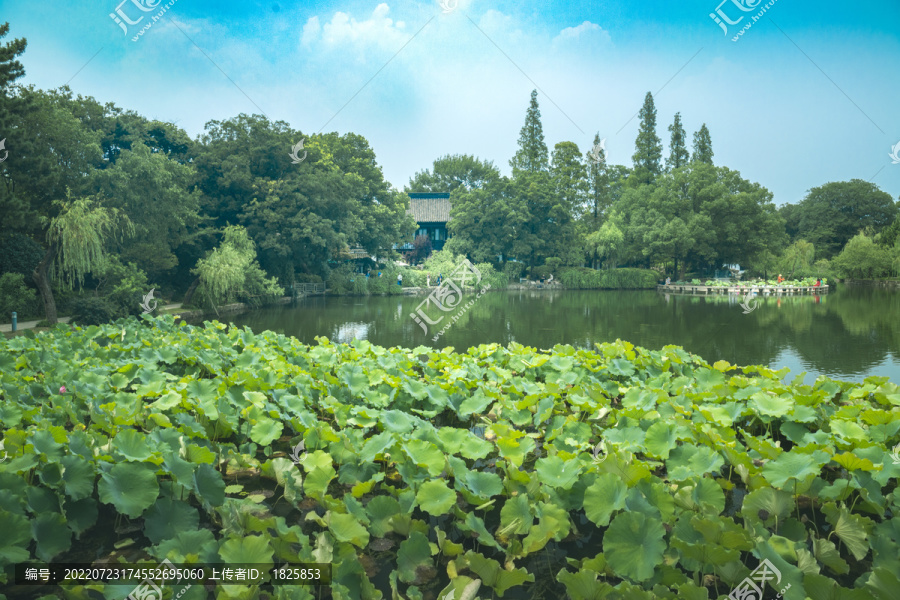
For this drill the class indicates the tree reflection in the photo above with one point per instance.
(843, 334)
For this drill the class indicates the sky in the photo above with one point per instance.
(807, 94)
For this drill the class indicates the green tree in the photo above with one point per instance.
(532, 156)
(153, 190)
(703, 151)
(791, 215)
(54, 158)
(888, 236)
(569, 175)
(862, 258)
(699, 217)
(454, 171)
(486, 222)
(299, 215)
(833, 213)
(547, 228)
(598, 177)
(10, 70)
(678, 153)
(76, 240)
(648, 146)
(15, 296)
(607, 243)
(236, 156)
(799, 254)
(231, 272)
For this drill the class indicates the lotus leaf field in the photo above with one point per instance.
(618, 472)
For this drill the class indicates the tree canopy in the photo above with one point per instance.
(833, 213)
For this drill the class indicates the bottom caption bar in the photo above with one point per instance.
(149, 577)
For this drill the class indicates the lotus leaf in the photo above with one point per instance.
(605, 496)
(634, 545)
(168, 517)
(413, 556)
(436, 498)
(130, 487)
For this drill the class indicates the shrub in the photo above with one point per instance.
(92, 310)
(17, 297)
(492, 277)
(553, 263)
(541, 272)
(421, 248)
(342, 280)
(383, 284)
(443, 262)
(19, 254)
(307, 278)
(582, 278)
(513, 271)
(123, 286)
(411, 277)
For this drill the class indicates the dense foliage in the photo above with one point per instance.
(85, 180)
(831, 214)
(685, 215)
(862, 258)
(590, 279)
(619, 472)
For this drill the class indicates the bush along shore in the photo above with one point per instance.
(617, 472)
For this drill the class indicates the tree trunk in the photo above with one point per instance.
(42, 280)
(190, 292)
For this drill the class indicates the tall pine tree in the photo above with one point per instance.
(648, 146)
(532, 155)
(703, 151)
(678, 154)
(598, 180)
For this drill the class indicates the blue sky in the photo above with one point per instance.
(809, 94)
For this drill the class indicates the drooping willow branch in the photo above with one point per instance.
(80, 232)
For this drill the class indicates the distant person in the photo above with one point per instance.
(668, 280)
(818, 282)
(379, 273)
(440, 278)
(780, 278)
(428, 280)
(400, 279)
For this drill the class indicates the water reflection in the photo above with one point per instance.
(347, 332)
(850, 333)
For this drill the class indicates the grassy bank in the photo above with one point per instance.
(615, 473)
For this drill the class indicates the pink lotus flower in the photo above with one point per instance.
(62, 390)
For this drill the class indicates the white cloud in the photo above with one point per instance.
(582, 32)
(310, 31)
(343, 30)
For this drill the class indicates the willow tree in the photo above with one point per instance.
(232, 271)
(607, 243)
(801, 253)
(76, 238)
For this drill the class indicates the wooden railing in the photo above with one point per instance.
(309, 288)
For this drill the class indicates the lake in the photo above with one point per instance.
(850, 333)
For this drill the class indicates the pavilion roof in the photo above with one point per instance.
(429, 208)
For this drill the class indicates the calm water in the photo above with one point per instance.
(851, 333)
